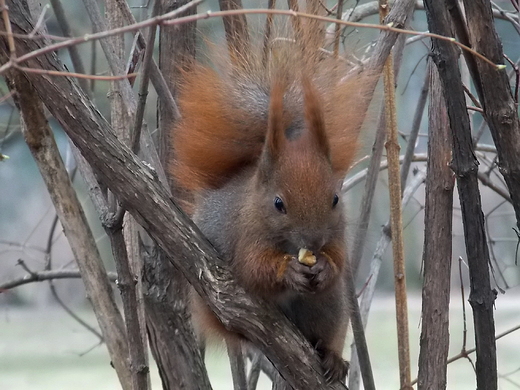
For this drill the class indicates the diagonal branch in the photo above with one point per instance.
(41, 142)
(136, 187)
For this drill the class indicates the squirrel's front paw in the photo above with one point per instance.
(323, 272)
(298, 276)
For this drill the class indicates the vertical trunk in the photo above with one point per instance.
(437, 245)
(172, 339)
(465, 166)
(126, 255)
(494, 91)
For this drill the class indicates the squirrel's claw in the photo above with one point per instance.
(334, 367)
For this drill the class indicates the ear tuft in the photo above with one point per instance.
(275, 137)
(314, 117)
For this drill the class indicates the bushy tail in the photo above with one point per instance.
(215, 137)
(224, 112)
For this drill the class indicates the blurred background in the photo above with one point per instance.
(43, 347)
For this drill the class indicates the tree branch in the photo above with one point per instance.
(40, 276)
(465, 166)
(45, 151)
(437, 245)
(178, 358)
(59, 12)
(494, 90)
(141, 194)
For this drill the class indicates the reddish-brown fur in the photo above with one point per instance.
(252, 133)
(211, 125)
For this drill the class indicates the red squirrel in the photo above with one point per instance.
(264, 146)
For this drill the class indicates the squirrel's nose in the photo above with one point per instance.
(313, 243)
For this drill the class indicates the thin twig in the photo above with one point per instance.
(22, 246)
(387, 27)
(40, 276)
(96, 36)
(516, 71)
(93, 60)
(40, 21)
(362, 355)
(476, 109)
(472, 97)
(466, 353)
(484, 179)
(371, 174)
(491, 242)
(165, 20)
(134, 59)
(75, 57)
(115, 63)
(145, 78)
(394, 180)
(267, 31)
(163, 91)
(354, 180)
(337, 36)
(76, 75)
(409, 154)
(71, 313)
(7, 24)
(507, 16)
(48, 267)
(382, 244)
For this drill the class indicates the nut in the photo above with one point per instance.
(306, 257)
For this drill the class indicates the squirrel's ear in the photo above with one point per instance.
(275, 138)
(314, 117)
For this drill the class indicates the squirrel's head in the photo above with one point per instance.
(299, 192)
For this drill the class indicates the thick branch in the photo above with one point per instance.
(137, 188)
(465, 166)
(437, 245)
(500, 109)
(178, 358)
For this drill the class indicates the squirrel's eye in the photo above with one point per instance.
(335, 201)
(278, 203)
